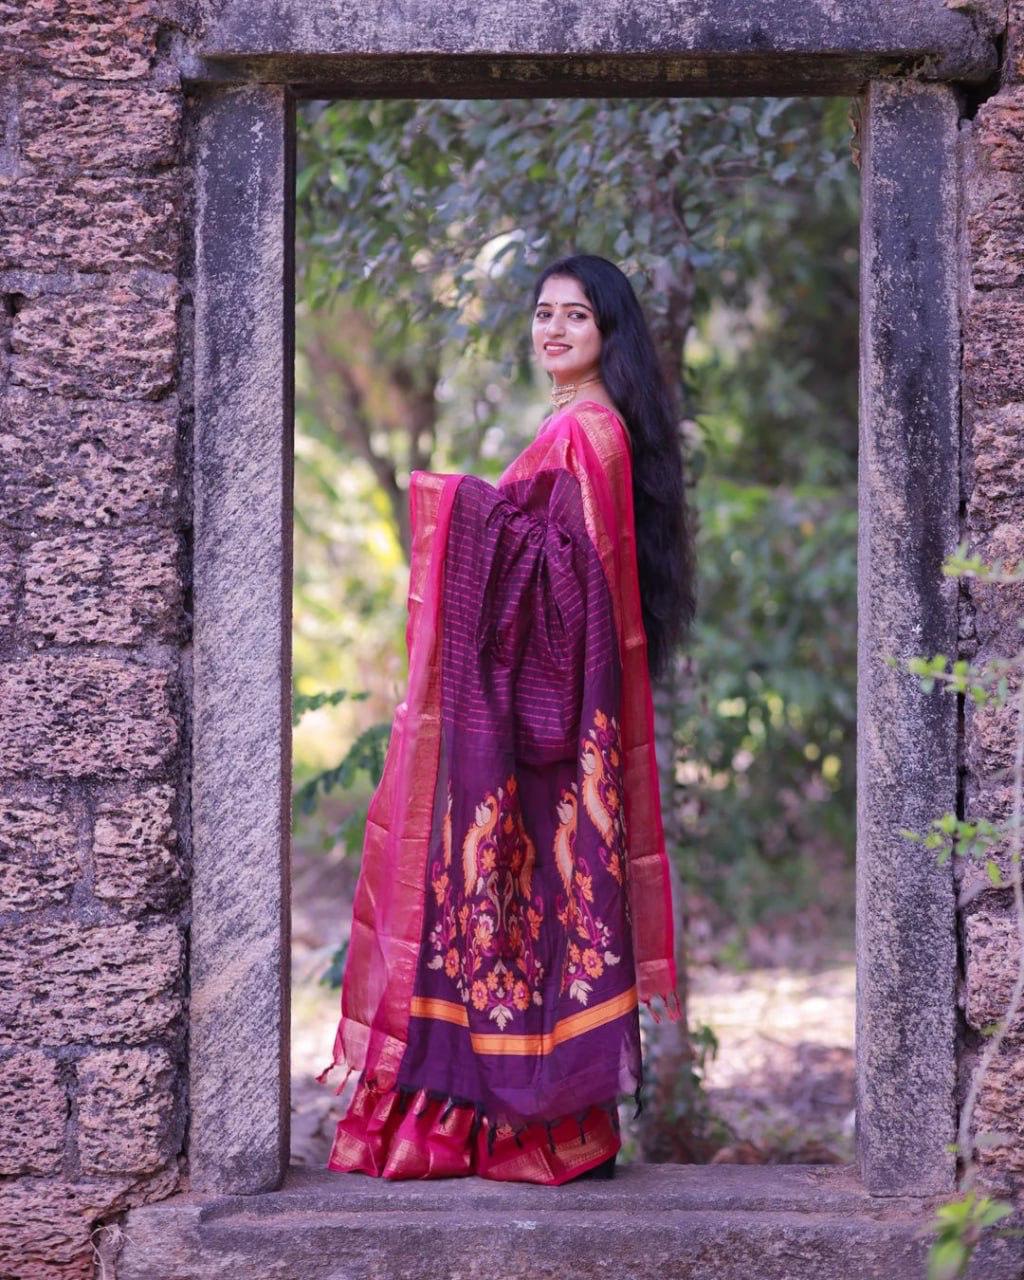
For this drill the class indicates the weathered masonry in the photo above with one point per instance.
(145, 191)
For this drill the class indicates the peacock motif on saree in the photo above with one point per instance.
(601, 763)
(489, 923)
(589, 950)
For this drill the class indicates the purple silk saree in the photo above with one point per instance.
(513, 906)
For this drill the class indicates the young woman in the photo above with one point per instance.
(513, 906)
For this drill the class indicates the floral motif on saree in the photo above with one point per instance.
(486, 944)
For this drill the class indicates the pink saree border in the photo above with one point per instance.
(592, 442)
(387, 912)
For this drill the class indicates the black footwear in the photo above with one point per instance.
(602, 1171)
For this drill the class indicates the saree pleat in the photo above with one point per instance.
(391, 1135)
(513, 907)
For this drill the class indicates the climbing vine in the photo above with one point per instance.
(960, 1223)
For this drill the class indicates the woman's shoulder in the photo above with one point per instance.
(600, 426)
(603, 425)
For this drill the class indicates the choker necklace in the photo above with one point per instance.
(560, 396)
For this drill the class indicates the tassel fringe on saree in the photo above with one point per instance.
(513, 904)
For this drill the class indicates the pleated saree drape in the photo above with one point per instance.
(513, 907)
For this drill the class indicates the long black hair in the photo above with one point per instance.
(631, 373)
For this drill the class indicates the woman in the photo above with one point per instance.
(513, 906)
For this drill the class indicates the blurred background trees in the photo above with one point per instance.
(420, 228)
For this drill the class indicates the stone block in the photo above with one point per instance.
(97, 128)
(118, 342)
(10, 581)
(996, 493)
(1000, 1110)
(109, 984)
(44, 1228)
(992, 800)
(137, 862)
(38, 855)
(86, 716)
(46, 1224)
(5, 342)
(90, 463)
(992, 950)
(90, 224)
(989, 15)
(999, 606)
(995, 230)
(993, 352)
(93, 39)
(999, 127)
(1014, 51)
(102, 587)
(33, 1113)
(990, 733)
(127, 1121)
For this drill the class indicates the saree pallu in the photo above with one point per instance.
(513, 906)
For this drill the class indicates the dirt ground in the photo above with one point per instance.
(781, 1081)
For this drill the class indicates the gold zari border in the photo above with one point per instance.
(576, 1024)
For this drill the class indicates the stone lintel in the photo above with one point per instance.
(564, 76)
(773, 46)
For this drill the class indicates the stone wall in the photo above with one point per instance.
(95, 607)
(94, 612)
(993, 490)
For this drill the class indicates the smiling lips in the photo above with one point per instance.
(556, 348)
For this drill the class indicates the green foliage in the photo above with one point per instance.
(434, 216)
(365, 756)
(689, 1110)
(303, 702)
(767, 734)
(335, 971)
(958, 1225)
(366, 753)
(688, 1131)
(960, 1222)
(421, 227)
(949, 834)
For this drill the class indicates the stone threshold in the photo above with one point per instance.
(674, 1222)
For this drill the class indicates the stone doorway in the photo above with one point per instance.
(912, 65)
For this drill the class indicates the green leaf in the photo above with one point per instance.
(946, 1260)
(305, 179)
(339, 175)
(303, 702)
(996, 1211)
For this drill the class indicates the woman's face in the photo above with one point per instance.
(566, 338)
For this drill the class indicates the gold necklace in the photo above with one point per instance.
(560, 396)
